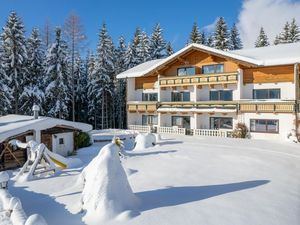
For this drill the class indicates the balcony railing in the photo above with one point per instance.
(208, 79)
(202, 104)
(267, 107)
(142, 106)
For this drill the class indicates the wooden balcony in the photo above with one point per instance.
(142, 106)
(267, 107)
(200, 105)
(207, 79)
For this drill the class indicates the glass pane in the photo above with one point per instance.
(144, 120)
(181, 72)
(219, 68)
(274, 93)
(226, 123)
(186, 122)
(145, 97)
(226, 95)
(154, 120)
(260, 94)
(190, 71)
(272, 126)
(186, 96)
(214, 95)
(260, 126)
(176, 121)
(208, 69)
(153, 97)
(175, 96)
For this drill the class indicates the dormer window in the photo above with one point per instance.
(186, 71)
(211, 69)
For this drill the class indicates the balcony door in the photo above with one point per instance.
(181, 121)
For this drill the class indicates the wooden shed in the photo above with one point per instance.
(57, 134)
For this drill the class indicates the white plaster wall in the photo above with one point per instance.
(131, 95)
(65, 148)
(286, 124)
(203, 93)
(165, 95)
(287, 90)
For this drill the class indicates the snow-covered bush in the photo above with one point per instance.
(143, 141)
(82, 140)
(106, 190)
(240, 131)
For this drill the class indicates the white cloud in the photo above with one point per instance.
(270, 14)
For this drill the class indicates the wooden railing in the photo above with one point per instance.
(213, 133)
(267, 107)
(143, 106)
(171, 130)
(140, 128)
(207, 79)
(202, 104)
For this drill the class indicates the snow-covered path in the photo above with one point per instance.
(188, 180)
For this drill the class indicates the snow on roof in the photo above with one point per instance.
(265, 56)
(12, 125)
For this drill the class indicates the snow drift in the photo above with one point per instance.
(106, 190)
(143, 141)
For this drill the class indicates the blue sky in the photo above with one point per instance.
(122, 17)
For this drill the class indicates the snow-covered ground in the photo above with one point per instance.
(187, 180)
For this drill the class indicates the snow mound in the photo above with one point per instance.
(4, 177)
(106, 190)
(35, 219)
(143, 141)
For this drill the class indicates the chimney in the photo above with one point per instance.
(35, 110)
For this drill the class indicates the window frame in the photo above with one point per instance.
(148, 95)
(266, 89)
(219, 95)
(181, 97)
(186, 67)
(182, 119)
(214, 117)
(215, 66)
(61, 141)
(266, 124)
(151, 116)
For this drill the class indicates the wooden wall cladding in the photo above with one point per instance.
(275, 74)
(145, 82)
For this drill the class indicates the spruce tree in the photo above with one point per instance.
(262, 39)
(57, 90)
(196, 36)
(14, 58)
(294, 32)
(33, 83)
(210, 41)
(104, 79)
(221, 35)
(130, 60)
(169, 49)
(284, 36)
(143, 48)
(235, 41)
(5, 92)
(157, 43)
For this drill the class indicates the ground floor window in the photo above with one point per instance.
(221, 123)
(149, 120)
(264, 126)
(181, 121)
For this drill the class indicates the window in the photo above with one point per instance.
(266, 94)
(180, 96)
(220, 123)
(181, 121)
(186, 71)
(216, 68)
(149, 97)
(61, 141)
(264, 126)
(220, 95)
(149, 120)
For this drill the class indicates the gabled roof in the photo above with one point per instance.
(12, 125)
(265, 56)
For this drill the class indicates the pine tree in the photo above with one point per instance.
(284, 36)
(33, 83)
(130, 60)
(143, 48)
(120, 66)
(196, 36)
(169, 49)
(157, 43)
(221, 35)
(262, 39)
(14, 58)
(57, 91)
(294, 32)
(5, 95)
(210, 41)
(235, 40)
(103, 79)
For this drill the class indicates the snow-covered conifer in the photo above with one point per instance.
(143, 48)
(196, 36)
(14, 58)
(235, 41)
(284, 36)
(262, 39)
(157, 43)
(294, 32)
(169, 49)
(57, 90)
(221, 35)
(33, 81)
